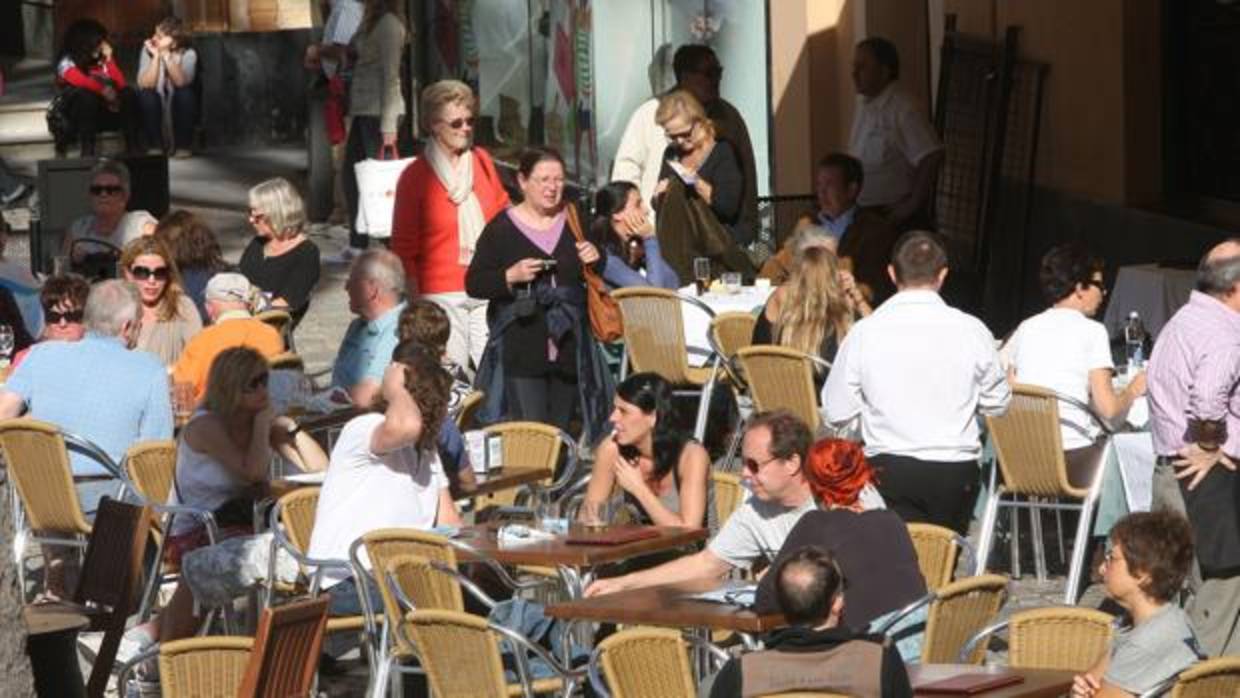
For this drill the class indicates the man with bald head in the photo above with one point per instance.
(1195, 421)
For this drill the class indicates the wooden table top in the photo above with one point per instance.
(1038, 683)
(556, 551)
(52, 618)
(504, 478)
(667, 605)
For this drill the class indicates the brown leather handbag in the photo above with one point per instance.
(605, 320)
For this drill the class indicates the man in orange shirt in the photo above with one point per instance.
(229, 297)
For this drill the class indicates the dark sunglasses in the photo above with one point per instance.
(259, 381)
(754, 466)
(683, 135)
(458, 124)
(54, 317)
(106, 189)
(144, 273)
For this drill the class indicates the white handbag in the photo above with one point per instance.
(376, 193)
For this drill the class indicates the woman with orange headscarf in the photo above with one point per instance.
(870, 543)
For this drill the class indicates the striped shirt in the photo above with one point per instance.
(1193, 373)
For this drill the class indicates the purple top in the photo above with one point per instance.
(546, 239)
(1193, 372)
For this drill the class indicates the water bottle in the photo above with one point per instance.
(1134, 341)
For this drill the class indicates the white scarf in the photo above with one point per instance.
(459, 181)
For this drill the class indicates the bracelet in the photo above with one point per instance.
(1209, 434)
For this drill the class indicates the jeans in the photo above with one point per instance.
(550, 399)
(184, 117)
(363, 142)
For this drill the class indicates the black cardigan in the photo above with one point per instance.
(723, 172)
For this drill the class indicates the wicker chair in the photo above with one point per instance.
(958, 611)
(536, 446)
(469, 409)
(640, 662)
(286, 650)
(282, 321)
(1063, 639)
(779, 377)
(1030, 454)
(287, 361)
(654, 340)
(203, 666)
(149, 467)
(1207, 679)
(937, 548)
(37, 457)
(728, 495)
(461, 655)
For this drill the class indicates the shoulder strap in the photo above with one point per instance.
(574, 223)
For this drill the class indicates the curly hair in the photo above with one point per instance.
(837, 471)
(1064, 268)
(428, 384)
(652, 394)
(424, 322)
(1158, 544)
(191, 241)
(151, 245)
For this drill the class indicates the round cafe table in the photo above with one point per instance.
(748, 299)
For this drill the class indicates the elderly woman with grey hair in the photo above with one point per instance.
(280, 259)
(94, 241)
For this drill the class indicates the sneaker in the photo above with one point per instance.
(345, 256)
(14, 194)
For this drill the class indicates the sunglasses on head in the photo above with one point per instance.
(144, 273)
(106, 189)
(54, 317)
(259, 381)
(458, 124)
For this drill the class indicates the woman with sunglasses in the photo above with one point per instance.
(443, 201)
(280, 259)
(1063, 348)
(169, 317)
(659, 468)
(698, 168)
(63, 299)
(94, 241)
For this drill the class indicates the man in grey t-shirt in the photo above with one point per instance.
(774, 448)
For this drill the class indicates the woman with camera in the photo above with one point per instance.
(540, 361)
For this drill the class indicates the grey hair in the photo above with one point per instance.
(384, 268)
(812, 236)
(440, 94)
(278, 200)
(110, 305)
(115, 168)
(1218, 277)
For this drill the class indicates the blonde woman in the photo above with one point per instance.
(169, 317)
(280, 260)
(814, 309)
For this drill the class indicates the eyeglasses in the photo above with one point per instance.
(55, 317)
(259, 381)
(683, 135)
(458, 124)
(1098, 284)
(106, 189)
(144, 273)
(256, 217)
(754, 466)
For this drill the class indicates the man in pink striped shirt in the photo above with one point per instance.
(1195, 420)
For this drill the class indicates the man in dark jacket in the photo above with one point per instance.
(816, 653)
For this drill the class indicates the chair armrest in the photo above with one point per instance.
(966, 547)
(477, 557)
(1087, 409)
(466, 583)
(122, 676)
(905, 612)
(596, 676)
(90, 449)
(524, 643)
(971, 644)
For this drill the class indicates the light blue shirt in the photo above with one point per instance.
(839, 225)
(96, 389)
(366, 349)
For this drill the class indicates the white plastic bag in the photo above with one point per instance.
(376, 194)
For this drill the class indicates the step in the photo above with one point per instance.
(24, 122)
(23, 156)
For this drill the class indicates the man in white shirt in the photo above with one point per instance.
(917, 372)
(774, 449)
(892, 138)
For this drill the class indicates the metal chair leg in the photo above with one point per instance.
(1039, 544)
(1015, 542)
(1072, 592)
(1063, 559)
(987, 534)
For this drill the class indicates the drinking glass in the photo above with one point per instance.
(597, 514)
(701, 273)
(732, 281)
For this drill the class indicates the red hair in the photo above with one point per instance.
(837, 471)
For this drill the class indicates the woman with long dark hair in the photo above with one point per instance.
(627, 234)
(660, 468)
(99, 97)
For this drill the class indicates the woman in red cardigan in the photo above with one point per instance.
(443, 200)
(99, 97)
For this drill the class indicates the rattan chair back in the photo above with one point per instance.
(150, 466)
(1028, 445)
(732, 331)
(654, 332)
(936, 553)
(427, 587)
(469, 409)
(297, 516)
(38, 463)
(1209, 679)
(385, 544)
(287, 361)
(525, 445)
(728, 495)
(781, 378)
(961, 609)
(203, 666)
(641, 662)
(286, 650)
(1064, 638)
(460, 654)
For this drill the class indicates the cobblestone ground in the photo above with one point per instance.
(215, 186)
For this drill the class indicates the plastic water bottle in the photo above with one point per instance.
(1134, 341)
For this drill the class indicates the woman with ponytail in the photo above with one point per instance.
(661, 470)
(870, 543)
